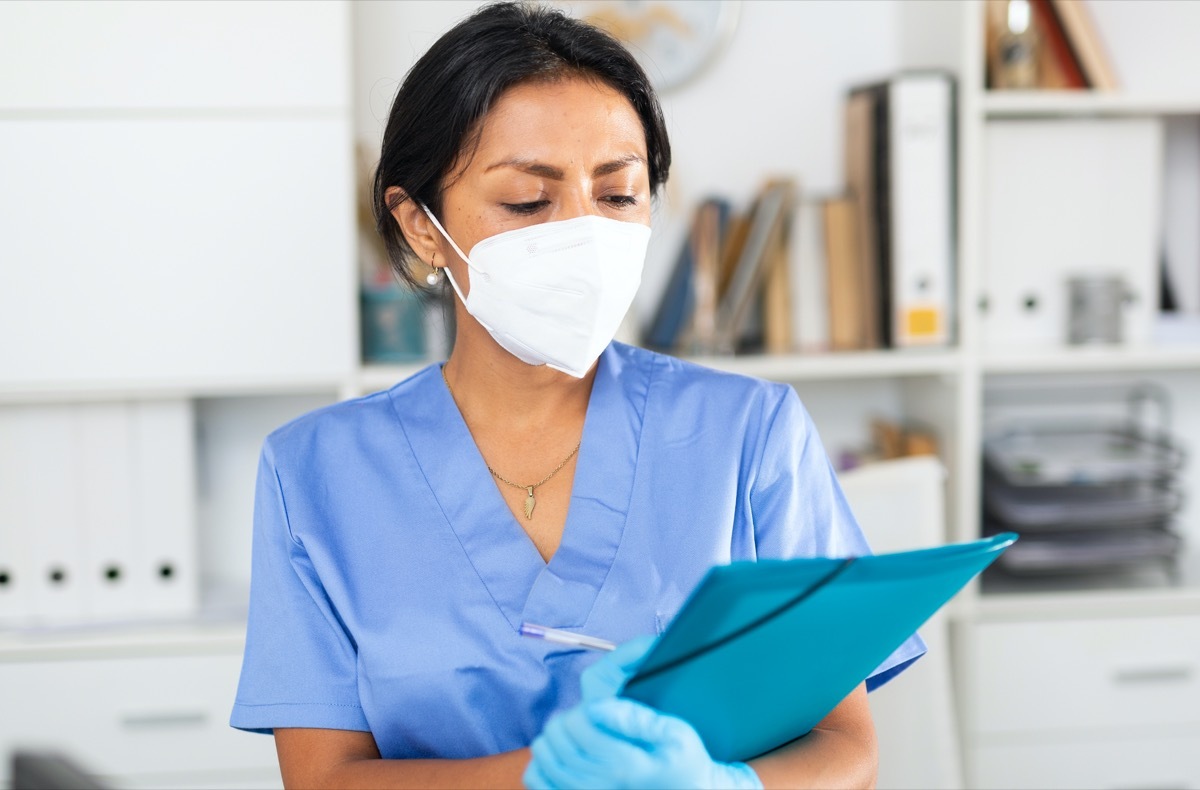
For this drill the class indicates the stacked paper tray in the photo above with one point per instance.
(1084, 453)
(1074, 507)
(1088, 496)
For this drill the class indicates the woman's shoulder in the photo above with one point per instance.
(682, 381)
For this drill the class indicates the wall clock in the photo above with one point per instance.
(673, 40)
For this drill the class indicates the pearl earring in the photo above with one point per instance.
(435, 274)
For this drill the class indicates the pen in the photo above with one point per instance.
(564, 637)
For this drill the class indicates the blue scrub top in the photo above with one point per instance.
(389, 576)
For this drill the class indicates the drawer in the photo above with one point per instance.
(164, 715)
(1151, 762)
(1112, 673)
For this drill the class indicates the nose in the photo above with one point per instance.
(576, 202)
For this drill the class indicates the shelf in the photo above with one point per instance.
(834, 366)
(1093, 359)
(1148, 592)
(188, 637)
(76, 391)
(1083, 104)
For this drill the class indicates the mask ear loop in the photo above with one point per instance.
(461, 254)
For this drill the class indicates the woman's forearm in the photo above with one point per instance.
(497, 770)
(840, 752)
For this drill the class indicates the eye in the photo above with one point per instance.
(525, 209)
(622, 201)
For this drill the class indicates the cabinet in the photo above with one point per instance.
(1098, 685)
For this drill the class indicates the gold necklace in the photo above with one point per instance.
(530, 501)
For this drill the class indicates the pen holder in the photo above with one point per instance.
(1096, 307)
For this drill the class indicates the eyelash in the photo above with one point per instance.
(525, 209)
(528, 209)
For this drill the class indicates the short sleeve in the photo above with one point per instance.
(300, 664)
(799, 510)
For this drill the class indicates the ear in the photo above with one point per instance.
(414, 224)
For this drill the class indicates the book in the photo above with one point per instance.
(847, 297)
(1060, 69)
(747, 274)
(778, 331)
(707, 234)
(675, 308)
(809, 288)
(861, 169)
(762, 651)
(1086, 44)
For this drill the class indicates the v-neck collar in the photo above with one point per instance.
(560, 593)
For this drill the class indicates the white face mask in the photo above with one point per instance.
(554, 294)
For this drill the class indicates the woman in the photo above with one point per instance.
(543, 474)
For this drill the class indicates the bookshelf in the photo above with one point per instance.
(1126, 620)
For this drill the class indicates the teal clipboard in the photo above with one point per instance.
(760, 652)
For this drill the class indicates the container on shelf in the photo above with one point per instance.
(393, 324)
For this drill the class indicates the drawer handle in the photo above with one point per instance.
(1179, 673)
(146, 721)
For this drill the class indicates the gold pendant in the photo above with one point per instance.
(529, 502)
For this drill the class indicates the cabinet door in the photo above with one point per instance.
(162, 715)
(177, 250)
(1169, 761)
(1115, 675)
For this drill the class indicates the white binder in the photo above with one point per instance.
(104, 511)
(164, 508)
(17, 509)
(1068, 197)
(809, 283)
(45, 489)
(921, 153)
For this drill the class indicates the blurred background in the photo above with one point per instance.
(968, 233)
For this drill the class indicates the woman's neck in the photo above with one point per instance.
(496, 391)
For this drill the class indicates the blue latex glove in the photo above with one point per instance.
(618, 743)
(606, 677)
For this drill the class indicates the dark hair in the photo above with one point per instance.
(437, 111)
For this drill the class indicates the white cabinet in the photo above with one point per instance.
(153, 719)
(197, 250)
(186, 54)
(1118, 674)
(1090, 702)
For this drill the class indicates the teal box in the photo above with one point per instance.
(393, 324)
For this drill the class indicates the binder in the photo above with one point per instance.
(921, 142)
(809, 286)
(105, 509)
(163, 439)
(761, 652)
(17, 510)
(46, 437)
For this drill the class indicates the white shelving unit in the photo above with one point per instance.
(1132, 627)
(1030, 717)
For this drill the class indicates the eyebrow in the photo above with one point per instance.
(533, 167)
